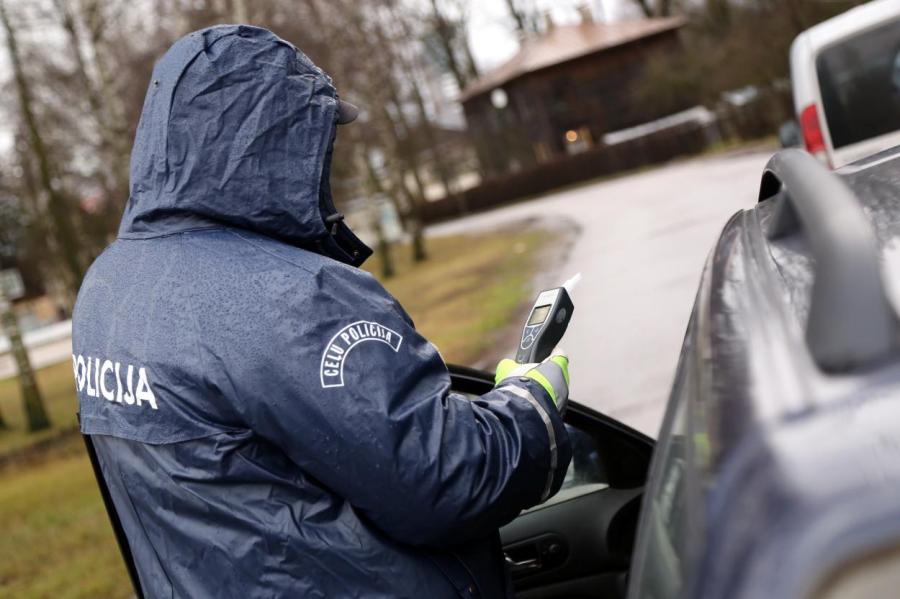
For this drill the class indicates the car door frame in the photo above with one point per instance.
(627, 478)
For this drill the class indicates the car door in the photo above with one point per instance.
(672, 523)
(578, 544)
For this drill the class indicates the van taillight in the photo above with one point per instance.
(812, 132)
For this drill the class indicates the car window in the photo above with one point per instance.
(664, 526)
(671, 522)
(860, 83)
(586, 471)
(586, 467)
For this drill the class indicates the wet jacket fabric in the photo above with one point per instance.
(266, 417)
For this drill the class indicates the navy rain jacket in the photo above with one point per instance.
(267, 418)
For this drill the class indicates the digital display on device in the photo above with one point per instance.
(539, 315)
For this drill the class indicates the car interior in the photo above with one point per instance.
(579, 543)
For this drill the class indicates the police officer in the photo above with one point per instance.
(266, 417)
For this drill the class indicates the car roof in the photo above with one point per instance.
(780, 276)
(848, 23)
(806, 464)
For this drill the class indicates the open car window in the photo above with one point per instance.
(586, 470)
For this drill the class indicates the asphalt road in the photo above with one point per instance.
(643, 243)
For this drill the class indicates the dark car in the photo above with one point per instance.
(777, 469)
(776, 474)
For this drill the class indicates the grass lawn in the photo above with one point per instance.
(58, 391)
(464, 297)
(55, 539)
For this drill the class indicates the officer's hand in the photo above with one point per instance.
(552, 374)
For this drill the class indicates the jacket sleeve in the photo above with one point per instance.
(345, 386)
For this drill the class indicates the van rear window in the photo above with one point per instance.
(860, 82)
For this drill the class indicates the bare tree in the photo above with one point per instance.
(645, 7)
(373, 66)
(408, 63)
(518, 17)
(58, 208)
(377, 187)
(105, 109)
(452, 35)
(35, 415)
(11, 226)
(79, 108)
(657, 8)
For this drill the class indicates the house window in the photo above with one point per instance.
(578, 140)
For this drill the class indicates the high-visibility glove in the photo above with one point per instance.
(552, 374)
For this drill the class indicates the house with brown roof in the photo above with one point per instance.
(564, 90)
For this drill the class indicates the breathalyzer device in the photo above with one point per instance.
(547, 322)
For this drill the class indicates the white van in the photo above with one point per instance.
(846, 77)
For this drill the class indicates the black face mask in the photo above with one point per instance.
(340, 243)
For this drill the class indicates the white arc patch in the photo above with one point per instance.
(331, 369)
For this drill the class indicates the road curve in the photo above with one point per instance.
(644, 239)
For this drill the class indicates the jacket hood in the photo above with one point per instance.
(237, 129)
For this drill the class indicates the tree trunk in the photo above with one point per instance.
(437, 157)
(381, 55)
(384, 247)
(239, 11)
(796, 14)
(384, 251)
(113, 147)
(420, 253)
(645, 7)
(471, 65)
(98, 108)
(3, 425)
(409, 158)
(113, 108)
(60, 213)
(35, 414)
(411, 220)
(719, 13)
(517, 16)
(445, 32)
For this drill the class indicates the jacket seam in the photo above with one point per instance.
(119, 433)
(146, 236)
(271, 253)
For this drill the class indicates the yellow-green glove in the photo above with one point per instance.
(552, 374)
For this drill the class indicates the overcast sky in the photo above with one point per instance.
(493, 40)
